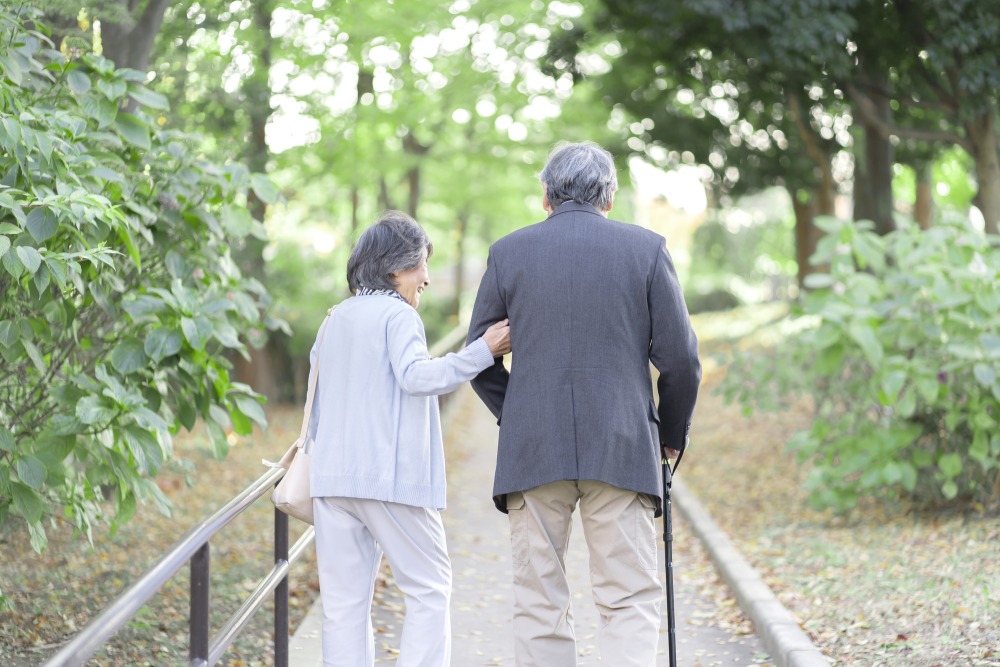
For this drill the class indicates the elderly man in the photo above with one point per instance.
(591, 303)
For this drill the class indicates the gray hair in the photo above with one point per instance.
(394, 243)
(584, 173)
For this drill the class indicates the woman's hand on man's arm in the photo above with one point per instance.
(498, 338)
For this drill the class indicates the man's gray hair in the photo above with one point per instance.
(584, 173)
(394, 243)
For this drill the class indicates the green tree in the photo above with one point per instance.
(916, 70)
(118, 291)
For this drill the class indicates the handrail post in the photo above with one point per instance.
(199, 619)
(281, 641)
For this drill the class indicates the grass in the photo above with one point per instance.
(56, 593)
(884, 585)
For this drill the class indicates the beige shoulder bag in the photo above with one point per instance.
(291, 495)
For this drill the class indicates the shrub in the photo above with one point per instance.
(899, 346)
(119, 299)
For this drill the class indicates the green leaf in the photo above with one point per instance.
(949, 489)
(78, 82)
(27, 502)
(13, 264)
(264, 188)
(4, 245)
(237, 221)
(125, 507)
(143, 305)
(7, 443)
(892, 383)
(133, 250)
(9, 333)
(251, 407)
(148, 419)
(100, 109)
(908, 475)
(34, 355)
(42, 279)
(198, 331)
(950, 465)
(241, 423)
(217, 438)
(58, 270)
(144, 447)
(112, 89)
(92, 410)
(907, 404)
(151, 490)
(42, 223)
(133, 130)
(187, 415)
(39, 541)
(986, 375)
(12, 68)
(30, 258)
(30, 471)
(163, 342)
(990, 343)
(219, 416)
(864, 335)
(147, 97)
(129, 356)
(928, 386)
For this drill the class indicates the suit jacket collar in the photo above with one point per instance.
(577, 207)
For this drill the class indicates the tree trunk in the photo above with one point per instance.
(879, 157)
(413, 179)
(130, 46)
(461, 225)
(923, 204)
(982, 133)
(864, 205)
(263, 372)
(384, 198)
(355, 203)
(806, 233)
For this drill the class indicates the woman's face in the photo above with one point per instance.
(411, 283)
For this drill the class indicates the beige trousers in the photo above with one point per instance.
(621, 538)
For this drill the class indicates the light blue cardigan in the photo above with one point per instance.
(375, 425)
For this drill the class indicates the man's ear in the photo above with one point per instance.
(545, 199)
(611, 203)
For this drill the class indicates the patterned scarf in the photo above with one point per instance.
(367, 291)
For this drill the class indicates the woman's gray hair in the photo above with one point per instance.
(394, 243)
(584, 173)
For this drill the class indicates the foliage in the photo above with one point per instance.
(899, 346)
(118, 296)
(437, 109)
(742, 254)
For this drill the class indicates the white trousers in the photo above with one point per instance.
(351, 535)
(621, 538)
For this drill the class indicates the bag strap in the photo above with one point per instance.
(313, 375)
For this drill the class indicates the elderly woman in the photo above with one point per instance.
(377, 474)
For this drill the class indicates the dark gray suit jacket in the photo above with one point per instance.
(591, 303)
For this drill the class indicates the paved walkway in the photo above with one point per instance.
(479, 544)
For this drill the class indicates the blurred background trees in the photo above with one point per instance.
(747, 134)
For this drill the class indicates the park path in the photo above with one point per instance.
(710, 629)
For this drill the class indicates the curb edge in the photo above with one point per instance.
(778, 630)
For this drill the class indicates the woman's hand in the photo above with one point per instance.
(498, 338)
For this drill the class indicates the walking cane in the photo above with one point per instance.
(668, 539)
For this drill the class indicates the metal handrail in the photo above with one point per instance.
(135, 596)
(193, 548)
